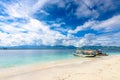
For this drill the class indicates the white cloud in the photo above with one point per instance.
(44, 12)
(60, 3)
(23, 8)
(35, 32)
(108, 39)
(18, 39)
(89, 39)
(111, 24)
(93, 8)
(83, 27)
(80, 41)
(57, 24)
(84, 11)
(31, 32)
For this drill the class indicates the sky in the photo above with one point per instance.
(60, 22)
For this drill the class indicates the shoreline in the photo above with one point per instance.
(62, 69)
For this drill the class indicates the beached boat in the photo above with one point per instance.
(85, 53)
(89, 53)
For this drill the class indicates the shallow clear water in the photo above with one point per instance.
(10, 58)
(112, 52)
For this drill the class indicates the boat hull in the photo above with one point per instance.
(81, 55)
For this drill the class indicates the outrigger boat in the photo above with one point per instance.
(83, 55)
(89, 53)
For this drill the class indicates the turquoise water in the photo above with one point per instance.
(112, 52)
(10, 58)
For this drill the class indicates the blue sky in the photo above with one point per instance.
(60, 22)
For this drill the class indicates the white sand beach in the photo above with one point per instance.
(106, 68)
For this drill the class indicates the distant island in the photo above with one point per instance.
(62, 47)
(38, 47)
(101, 47)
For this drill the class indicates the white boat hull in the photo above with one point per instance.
(81, 55)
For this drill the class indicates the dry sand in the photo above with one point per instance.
(106, 68)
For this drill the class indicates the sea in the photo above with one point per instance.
(12, 58)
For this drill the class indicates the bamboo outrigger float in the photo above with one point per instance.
(89, 53)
